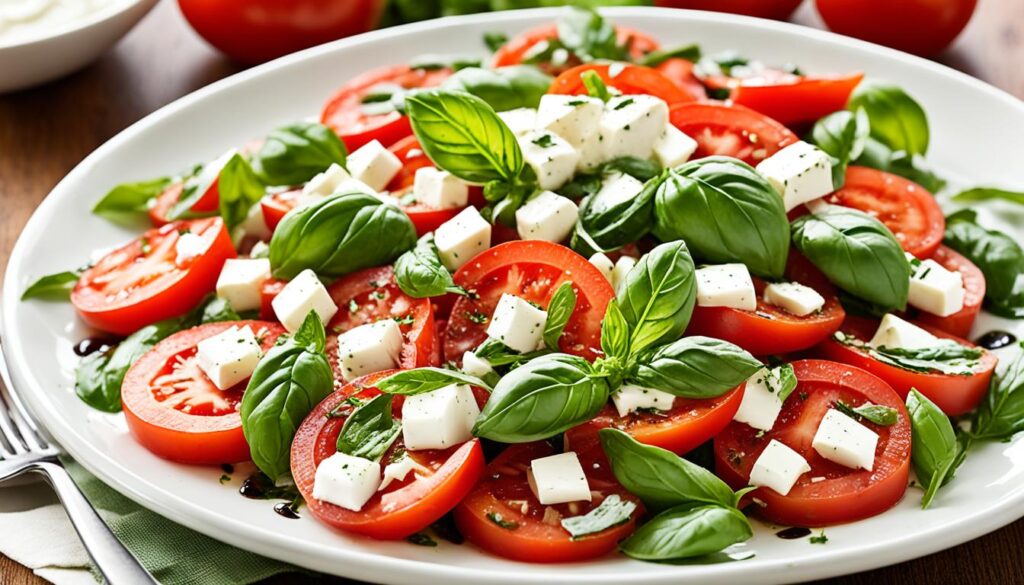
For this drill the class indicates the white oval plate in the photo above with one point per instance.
(975, 131)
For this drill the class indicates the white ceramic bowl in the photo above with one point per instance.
(26, 61)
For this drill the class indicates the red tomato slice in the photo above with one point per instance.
(173, 409)
(277, 205)
(145, 281)
(403, 507)
(955, 395)
(845, 494)
(532, 270)
(206, 180)
(345, 114)
(516, 50)
(534, 532)
(959, 323)
(680, 71)
(905, 207)
(795, 99)
(731, 130)
(629, 79)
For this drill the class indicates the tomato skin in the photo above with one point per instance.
(955, 395)
(168, 287)
(680, 71)
(775, 9)
(731, 130)
(922, 27)
(208, 203)
(515, 50)
(277, 205)
(803, 99)
(632, 79)
(846, 494)
(961, 322)
(177, 434)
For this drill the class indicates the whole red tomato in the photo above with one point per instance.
(253, 31)
(777, 9)
(922, 27)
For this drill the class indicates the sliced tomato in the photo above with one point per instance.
(794, 99)
(205, 181)
(629, 79)
(518, 49)
(961, 322)
(905, 207)
(175, 411)
(277, 205)
(345, 112)
(680, 71)
(731, 130)
(528, 530)
(403, 507)
(955, 395)
(531, 270)
(829, 493)
(146, 281)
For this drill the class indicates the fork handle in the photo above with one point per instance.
(112, 559)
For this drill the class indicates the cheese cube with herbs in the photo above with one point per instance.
(346, 481)
(350, 185)
(546, 216)
(476, 366)
(591, 153)
(552, 158)
(778, 467)
(439, 419)
(761, 403)
(934, 289)
(674, 147)
(326, 182)
(462, 237)
(369, 348)
(632, 124)
(573, 117)
(241, 280)
(255, 225)
(845, 441)
(303, 294)
(616, 188)
(229, 357)
(374, 165)
(399, 470)
(631, 398)
(439, 189)
(796, 298)
(726, 285)
(896, 332)
(520, 120)
(622, 267)
(517, 324)
(800, 172)
(604, 264)
(558, 479)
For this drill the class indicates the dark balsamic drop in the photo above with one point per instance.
(285, 509)
(793, 533)
(996, 339)
(254, 487)
(91, 345)
(227, 468)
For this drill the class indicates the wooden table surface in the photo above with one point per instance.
(46, 131)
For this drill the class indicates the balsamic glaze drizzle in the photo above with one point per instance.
(793, 533)
(996, 339)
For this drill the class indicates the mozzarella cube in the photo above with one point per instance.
(259, 250)
(240, 281)
(547, 216)
(845, 441)
(439, 419)
(895, 332)
(778, 467)
(462, 237)
(520, 120)
(399, 470)
(229, 357)
(800, 172)
(326, 182)
(369, 348)
(476, 366)
(439, 189)
(303, 294)
(346, 481)
(558, 479)
(631, 398)
(935, 289)
(374, 165)
(631, 124)
(726, 285)
(794, 297)
(573, 117)
(591, 152)
(604, 264)
(550, 156)
(761, 403)
(517, 324)
(674, 147)
(616, 188)
(255, 225)
(350, 185)
(189, 246)
(622, 267)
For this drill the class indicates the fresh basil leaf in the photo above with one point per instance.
(560, 309)
(420, 273)
(1001, 414)
(885, 416)
(641, 169)
(782, 380)
(370, 430)
(842, 136)
(688, 531)
(879, 156)
(589, 36)
(695, 367)
(53, 287)
(857, 253)
(947, 357)
(504, 88)
(611, 512)
(726, 212)
(128, 202)
(614, 332)
(595, 86)
(339, 235)
(540, 399)
(720, 64)
(896, 119)
(435, 61)
(495, 40)
(689, 52)
(604, 226)
(998, 256)
(294, 154)
(422, 380)
(990, 194)
(934, 444)
(217, 310)
(239, 189)
(657, 296)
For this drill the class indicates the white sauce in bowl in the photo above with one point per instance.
(32, 18)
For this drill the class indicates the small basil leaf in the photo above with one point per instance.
(611, 512)
(560, 309)
(841, 135)
(203, 180)
(595, 86)
(421, 380)
(435, 61)
(876, 413)
(695, 367)
(657, 296)
(989, 194)
(947, 357)
(239, 189)
(420, 273)
(294, 154)
(783, 381)
(1001, 414)
(370, 430)
(130, 201)
(896, 119)
(688, 531)
(879, 156)
(998, 256)
(495, 40)
(504, 88)
(934, 444)
(52, 287)
(689, 52)
(605, 226)
(588, 35)
(218, 310)
(311, 334)
(614, 332)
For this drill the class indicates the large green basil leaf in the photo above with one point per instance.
(998, 256)
(370, 430)
(898, 162)
(540, 399)
(688, 531)
(128, 202)
(339, 235)
(934, 445)
(422, 380)
(294, 154)
(53, 287)
(896, 119)
(603, 228)
(857, 253)
(842, 136)
(695, 367)
(726, 212)
(239, 189)
(504, 88)
(420, 273)
(1001, 415)
(657, 296)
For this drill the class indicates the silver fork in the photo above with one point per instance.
(24, 449)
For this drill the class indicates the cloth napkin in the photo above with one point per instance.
(35, 531)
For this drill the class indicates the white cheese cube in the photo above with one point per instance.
(240, 281)
(778, 467)
(547, 216)
(631, 398)
(259, 250)
(800, 172)
(550, 156)
(631, 124)
(845, 441)
(674, 147)
(255, 225)
(351, 185)
(399, 470)
(726, 285)
(604, 264)
(895, 332)
(369, 348)
(622, 267)
(573, 117)
(439, 189)
(591, 151)
(615, 188)
(374, 165)
(794, 297)
(326, 182)
(761, 403)
(517, 324)
(934, 289)
(462, 237)
(189, 246)
(476, 366)
(520, 120)
(229, 357)
(558, 479)
(346, 481)
(439, 419)
(303, 294)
